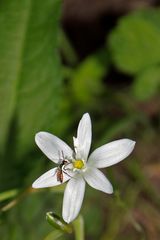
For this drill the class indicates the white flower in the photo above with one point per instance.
(77, 167)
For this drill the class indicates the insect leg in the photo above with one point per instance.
(66, 170)
(63, 155)
(67, 174)
(55, 172)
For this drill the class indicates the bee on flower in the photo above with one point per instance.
(77, 166)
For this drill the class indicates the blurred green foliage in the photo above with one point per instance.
(135, 49)
(39, 92)
(136, 35)
(30, 68)
(147, 84)
(86, 81)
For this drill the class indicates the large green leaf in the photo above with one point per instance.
(30, 76)
(135, 42)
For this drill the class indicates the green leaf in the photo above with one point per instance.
(147, 84)
(13, 19)
(87, 78)
(135, 42)
(30, 76)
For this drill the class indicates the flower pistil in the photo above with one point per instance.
(78, 164)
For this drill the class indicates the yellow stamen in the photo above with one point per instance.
(78, 163)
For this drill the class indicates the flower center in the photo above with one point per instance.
(78, 163)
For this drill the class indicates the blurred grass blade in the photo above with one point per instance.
(58, 223)
(78, 225)
(30, 76)
(54, 235)
(8, 194)
(67, 49)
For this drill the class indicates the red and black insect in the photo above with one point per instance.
(61, 169)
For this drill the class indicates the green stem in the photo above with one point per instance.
(78, 226)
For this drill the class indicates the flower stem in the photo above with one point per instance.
(78, 226)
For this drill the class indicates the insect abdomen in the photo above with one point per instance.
(60, 176)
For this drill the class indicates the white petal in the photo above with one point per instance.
(111, 153)
(49, 179)
(84, 137)
(73, 198)
(52, 146)
(96, 179)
